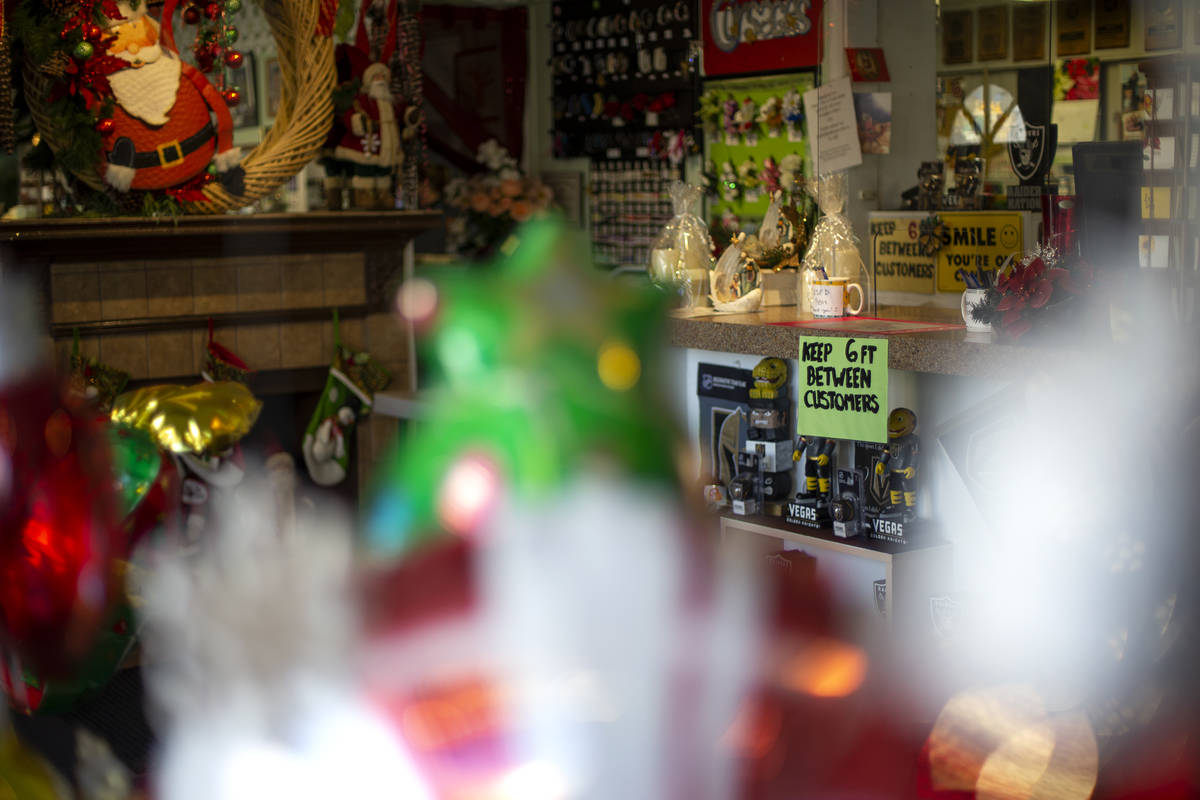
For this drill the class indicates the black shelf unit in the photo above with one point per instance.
(623, 72)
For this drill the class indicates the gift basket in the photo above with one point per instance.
(833, 251)
(682, 253)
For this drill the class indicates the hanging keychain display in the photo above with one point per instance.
(617, 51)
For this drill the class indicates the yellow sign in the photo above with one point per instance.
(1158, 204)
(900, 264)
(974, 241)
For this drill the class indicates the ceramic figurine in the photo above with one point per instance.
(817, 453)
(895, 471)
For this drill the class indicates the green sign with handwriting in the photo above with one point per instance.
(843, 388)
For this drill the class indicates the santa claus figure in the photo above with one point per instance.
(369, 148)
(165, 133)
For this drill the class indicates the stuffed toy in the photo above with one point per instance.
(163, 133)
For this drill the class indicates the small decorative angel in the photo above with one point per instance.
(730, 187)
(793, 113)
(729, 118)
(746, 116)
(771, 116)
(771, 175)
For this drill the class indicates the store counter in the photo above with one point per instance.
(774, 331)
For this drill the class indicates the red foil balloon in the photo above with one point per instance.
(58, 535)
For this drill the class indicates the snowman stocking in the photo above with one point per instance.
(347, 397)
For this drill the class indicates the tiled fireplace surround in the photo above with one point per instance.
(165, 289)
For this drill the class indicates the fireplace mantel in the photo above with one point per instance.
(30, 242)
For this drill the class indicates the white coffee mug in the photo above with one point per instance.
(829, 298)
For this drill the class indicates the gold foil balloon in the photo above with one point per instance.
(206, 419)
(23, 774)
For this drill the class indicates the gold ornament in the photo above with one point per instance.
(23, 774)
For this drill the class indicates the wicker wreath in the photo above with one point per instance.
(301, 124)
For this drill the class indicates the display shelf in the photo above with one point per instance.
(910, 575)
(861, 546)
(945, 352)
(399, 404)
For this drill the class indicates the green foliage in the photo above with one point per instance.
(79, 144)
(985, 311)
(155, 205)
(343, 96)
(34, 33)
(344, 20)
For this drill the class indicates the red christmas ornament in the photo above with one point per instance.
(105, 125)
(233, 59)
(58, 533)
(92, 32)
(191, 15)
(212, 10)
(232, 97)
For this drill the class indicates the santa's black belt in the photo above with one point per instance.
(167, 154)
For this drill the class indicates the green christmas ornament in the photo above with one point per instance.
(540, 367)
(83, 51)
(233, 6)
(136, 462)
(231, 35)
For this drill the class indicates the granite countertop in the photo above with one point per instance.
(946, 352)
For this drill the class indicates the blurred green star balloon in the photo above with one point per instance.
(537, 365)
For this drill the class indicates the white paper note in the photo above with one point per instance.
(832, 132)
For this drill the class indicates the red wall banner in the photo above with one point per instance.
(743, 36)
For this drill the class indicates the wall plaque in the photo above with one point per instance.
(956, 37)
(1029, 33)
(1164, 24)
(993, 33)
(1112, 23)
(1074, 25)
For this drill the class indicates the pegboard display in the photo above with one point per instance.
(630, 205)
(625, 78)
(738, 145)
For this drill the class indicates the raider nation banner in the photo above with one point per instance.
(743, 36)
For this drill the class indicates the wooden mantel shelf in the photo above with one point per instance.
(29, 242)
(945, 352)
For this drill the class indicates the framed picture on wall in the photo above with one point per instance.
(956, 37)
(479, 82)
(272, 87)
(245, 77)
(1112, 24)
(993, 33)
(1029, 32)
(1164, 24)
(1074, 25)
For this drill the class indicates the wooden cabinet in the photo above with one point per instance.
(880, 585)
